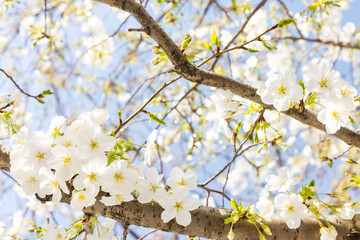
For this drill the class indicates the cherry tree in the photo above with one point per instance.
(128, 119)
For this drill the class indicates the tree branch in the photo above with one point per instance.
(206, 221)
(191, 73)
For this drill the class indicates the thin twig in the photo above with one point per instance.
(125, 232)
(19, 88)
(147, 234)
(237, 153)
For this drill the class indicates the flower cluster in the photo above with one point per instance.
(320, 82)
(293, 207)
(336, 94)
(43, 163)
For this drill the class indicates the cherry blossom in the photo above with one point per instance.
(328, 233)
(178, 206)
(291, 209)
(150, 186)
(281, 90)
(347, 212)
(265, 207)
(150, 149)
(54, 232)
(282, 182)
(179, 178)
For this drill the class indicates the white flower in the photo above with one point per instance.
(104, 232)
(66, 161)
(346, 93)
(92, 140)
(179, 178)
(177, 206)
(123, 194)
(291, 209)
(321, 78)
(282, 182)
(53, 184)
(29, 178)
(98, 116)
(150, 149)
(37, 150)
(57, 127)
(82, 199)
(265, 207)
(347, 212)
(54, 233)
(329, 233)
(90, 177)
(281, 90)
(333, 116)
(223, 102)
(118, 175)
(149, 188)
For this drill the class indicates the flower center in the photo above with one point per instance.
(119, 199)
(281, 89)
(119, 177)
(80, 197)
(40, 156)
(31, 180)
(324, 82)
(346, 92)
(94, 144)
(335, 114)
(66, 144)
(290, 208)
(178, 206)
(153, 187)
(66, 160)
(92, 177)
(182, 182)
(54, 184)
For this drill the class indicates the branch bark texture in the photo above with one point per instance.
(207, 221)
(187, 70)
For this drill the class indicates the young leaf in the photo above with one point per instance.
(286, 21)
(155, 118)
(250, 50)
(214, 39)
(185, 43)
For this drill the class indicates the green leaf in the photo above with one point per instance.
(266, 229)
(312, 183)
(301, 83)
(214, 39)
(268, 46)
(119, 113)
(330, 163)
(155, 118)
(286, 21)
(311, 99)
(250, 50)
(234, 204)
(351, 120)
(185, 43)
(46, 92)
(261, 236)
(40, 100)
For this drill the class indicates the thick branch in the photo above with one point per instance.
(207, 221)
(191, 73)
